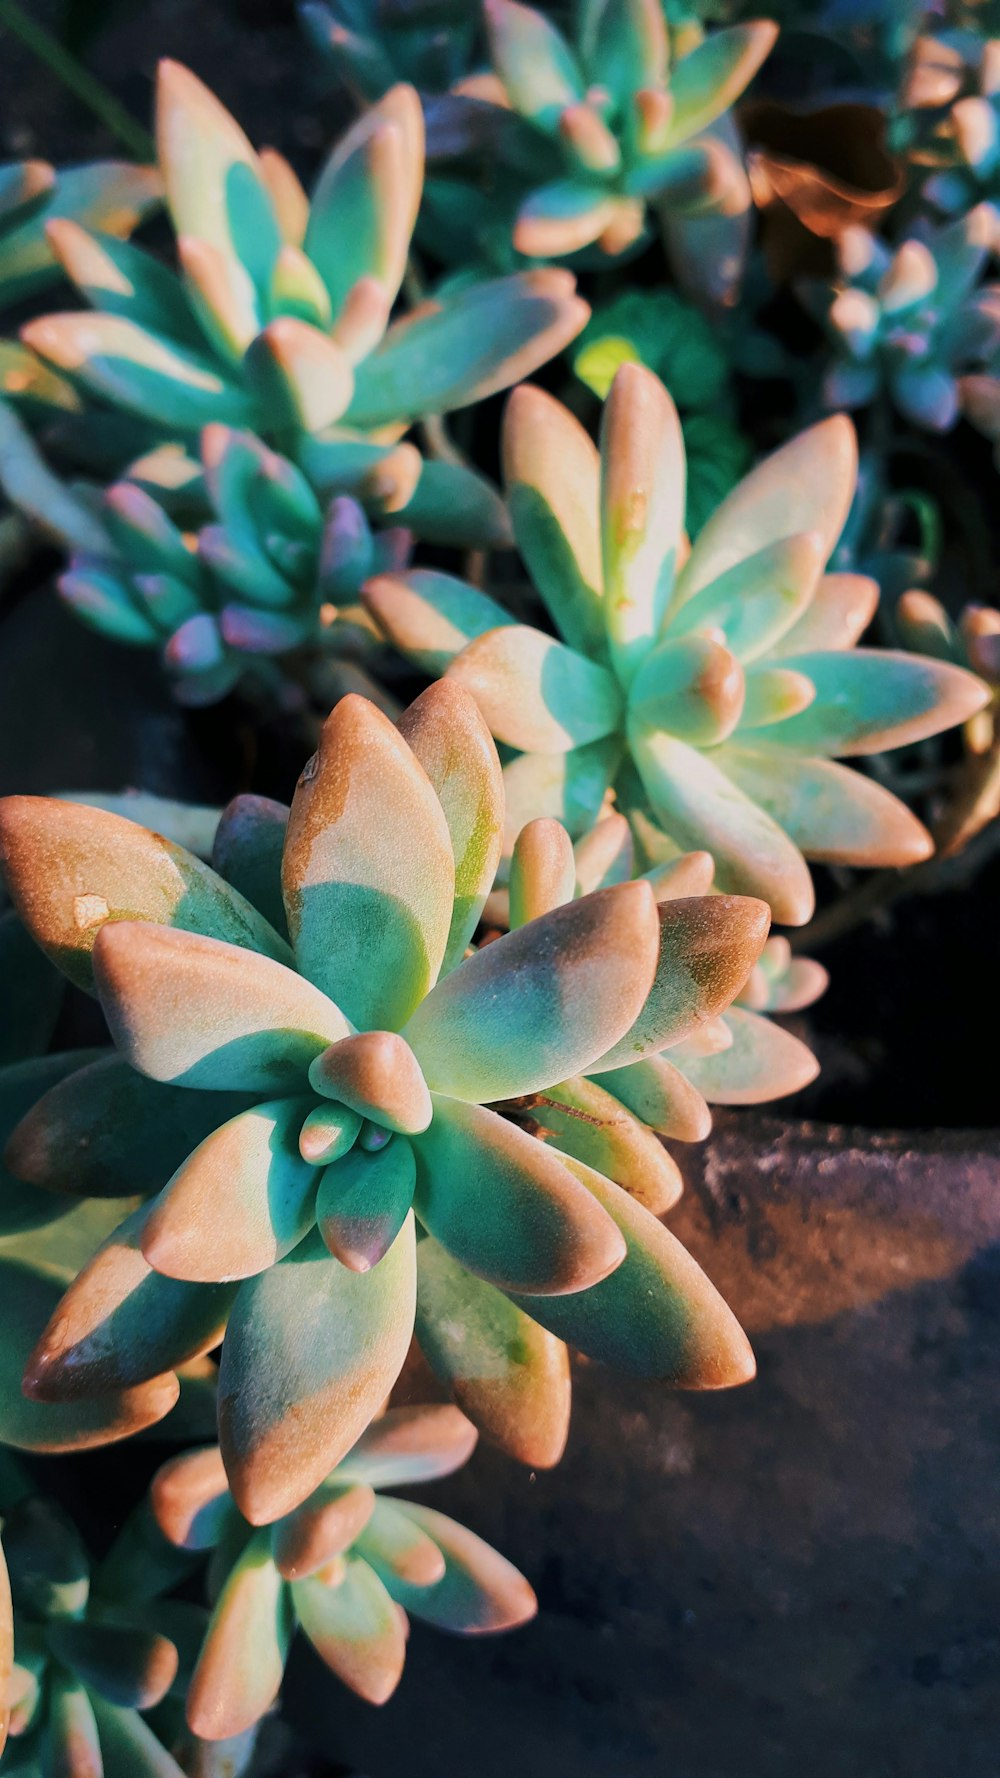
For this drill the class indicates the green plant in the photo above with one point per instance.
(712, 690)
(370, 44)
(347, 1567)
(367, 1084)
(278, 318)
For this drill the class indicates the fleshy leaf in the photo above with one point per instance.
(69, 868)
(658, 1093)
(535, 693)
(506, 1206)
(143, 372)
(215, 189)
(449, 737)
(190, 1498)
(569, 786)
(71, 1746)
(201, 1013)
(705, 82)
(870, 699)
(363, 1201)
(247, 853)
(542, 871)
(584, 1120)
(397, 1549)
(355, 1629)
(239, 1203)
(410, 1445)
(837, 616)
(376, 1074)
(552, 476)
(481, 1591)
(642, 512)
(430, 616)
(657, 1315)
(369, 875)
(762, 1062)
(533, 60)
(831, 812)
(758, 599)
(324, 1526)
(128, 1667)
(243, 1657)
(311, 1351)
(129, 1749)
(506, 1372)
(120, 1324)
(365, 204)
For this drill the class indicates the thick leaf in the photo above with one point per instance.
(449, 737)
(762, 1062)
(365, 204)
(569, 786)
(410, 1445)
(397, 1549)
(215, 188)
(247, 853)
(126, 1666)
(355, 1629)
(480, 340)
(138, 370)
(693, 689)
(584, 1120)
(542, 1002)
(658, 1093)
(757, 600)
(657, 1315)
(481, 1591)
(112, 196)
(29, 1299)
(239, 1203)
(837, 616)
(369, 876)
(552, 475)
(705, 82)
(505, 1371)
(562, 217)
(831, 812)
(304, 377)
(533, 60)
(71, 1746)
(363, 1201)
(190, 1498)
(642, 512)
(708, 946)
(375, 1074)
(123, 280)
(323, 1527)
(106, 1131)
(128, 1748)
(807, 485)
(24, 1207)
(870, 699)
(605, 855)
(429, 616)
(535, 693)
(506, 1206)
(542, 871)
(201, 1013)
(70, 868)
(120, 1324)
(243, 1658)
(701, 808)
(311, 1352)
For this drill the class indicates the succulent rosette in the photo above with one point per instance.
(974, 642)
(371, 44)
(252, 564)
(78, 1662)
(582, 137)
(348, 1567)
(360, 1057)
(910, 320)
(950, 117)
(113, 196)
(278, 318)
(713, 689)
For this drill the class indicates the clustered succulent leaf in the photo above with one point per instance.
(278, 316)
(585, 134)
(112, 196)
(714, 689)
(949, 118)
(372, 44)
(347, 1567)
(363, 1064)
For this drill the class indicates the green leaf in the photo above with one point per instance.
(410, 1445)
(128, 1748)
(70, 868)
(243, 1657)
(355, 1629)
(763, 1062)
(481, 1591)
(397, 1549)
(505, 1371)
(369, 875)
(247, 853)
(128, 1667)
(870, 699)
(430, 616)
(533, 60)
(642, 513)
(365, 204)
(506, 1206)
(311, 1352)
(323, 1527)
(706, 81)
(535, 693)
(138, 370)
(552, 476)
(215, 190)
(584, 1120)
(363, 1201)
(831, 812)
(201, 1013)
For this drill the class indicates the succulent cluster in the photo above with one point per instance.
(713, 689)
(382, 1086)
(347, 1567)
(585, 138)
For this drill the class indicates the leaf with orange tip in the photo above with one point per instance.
(762, 1062)
(190, 1498)
(355, 1629)
(323, 1527)
(405, 1445)
(242, 1661)
(585, 1120)
(481, 1591)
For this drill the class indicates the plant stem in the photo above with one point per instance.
(85, 86)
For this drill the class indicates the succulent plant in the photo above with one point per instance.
(260, 565)
(712, 690)
(279, 316)
(357, 1074)
(113, 196)
(910, 320)
(949, 118)
(371, 44)
(583, 136)
(84, 1661)
(973, 642)
(347, 1567)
